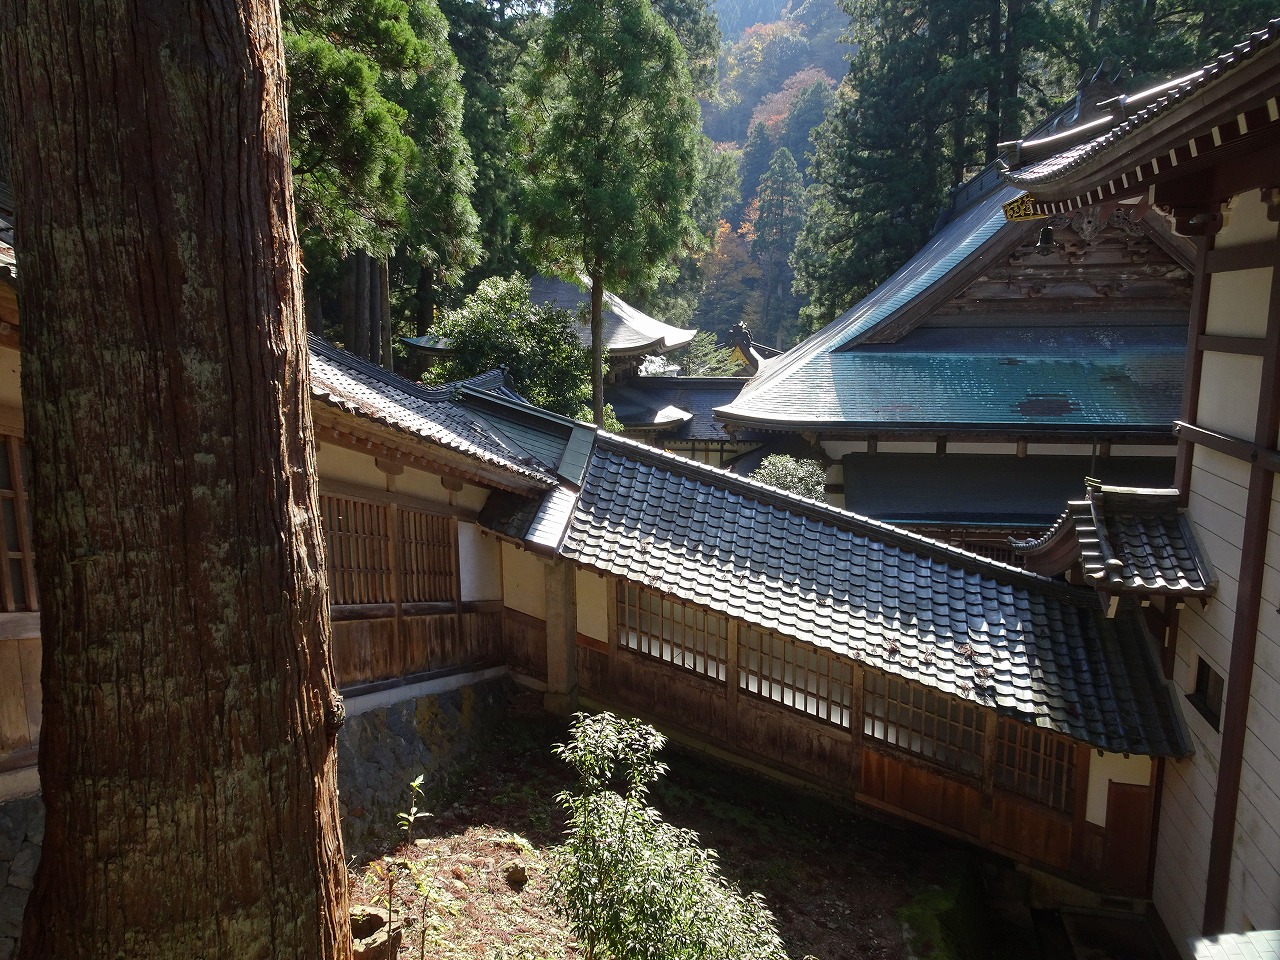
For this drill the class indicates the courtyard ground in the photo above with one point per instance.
(838, 882)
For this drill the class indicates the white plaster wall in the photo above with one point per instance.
(907, 446)
(1229, 395)
(524, 582)
(992, 449)
(1182, 851)
(1143, 449)
(479, 564)
(1245, 221)
(428, 486)
(1105, 769)
(1238, 303)
(835, 449)
(1059, 450)
(593, 605)
(347, 466)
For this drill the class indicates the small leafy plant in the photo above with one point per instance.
(631, 885)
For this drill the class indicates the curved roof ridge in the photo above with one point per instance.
(955, 242)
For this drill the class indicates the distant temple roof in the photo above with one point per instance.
(678, 408)
(627, 331)
(1013, 364)
(1128, 541)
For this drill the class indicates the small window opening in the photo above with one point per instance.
(1207, 696)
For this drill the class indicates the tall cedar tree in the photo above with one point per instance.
(935, 86)
(612, 159)
(779, 216)
(488, 42)
(380, 162)
(187, 754)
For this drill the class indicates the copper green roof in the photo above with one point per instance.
(1060, 373)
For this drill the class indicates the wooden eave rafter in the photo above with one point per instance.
(395, 447)
(1236, 114)
(823, 432)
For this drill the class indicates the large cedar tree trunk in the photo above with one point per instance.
(187, 758)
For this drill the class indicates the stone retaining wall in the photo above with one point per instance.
(381, 750)
(21, 833)
(384, 744)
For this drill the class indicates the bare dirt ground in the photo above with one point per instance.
(478, 871)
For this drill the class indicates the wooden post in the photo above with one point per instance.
(562, 638)
(731, 681)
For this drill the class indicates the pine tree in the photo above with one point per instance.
(612, 131)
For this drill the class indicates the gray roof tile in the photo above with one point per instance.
(363, 389)
(1128, 541)
(975, 629)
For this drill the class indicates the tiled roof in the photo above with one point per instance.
(1025, 645)
(808, 383)
(1059, 378)
(1130, 541)
(682, 407)
(626, 329)
(1138, 110)
(363, 389)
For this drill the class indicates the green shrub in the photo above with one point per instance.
(632, 886)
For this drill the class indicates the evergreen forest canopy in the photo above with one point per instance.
(832, 131)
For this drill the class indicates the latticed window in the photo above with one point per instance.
(669, 630)
(358, 544)
(360, 547)
(17, 573)
(794, 674)
(428, 557)
(929, 724)
(1036, 764)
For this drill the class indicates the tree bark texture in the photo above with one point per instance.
(187, 759)
(384, 309)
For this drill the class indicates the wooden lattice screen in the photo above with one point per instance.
(428, 557)
(795, 675)
(924, 722)
(362, 538)
(681, 634)
(17, 573)
(358, 545)
(1036, 764)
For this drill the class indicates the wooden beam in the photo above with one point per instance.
(1266, 458)
(1247, 256)
(1241, 346)
(1191, 375)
